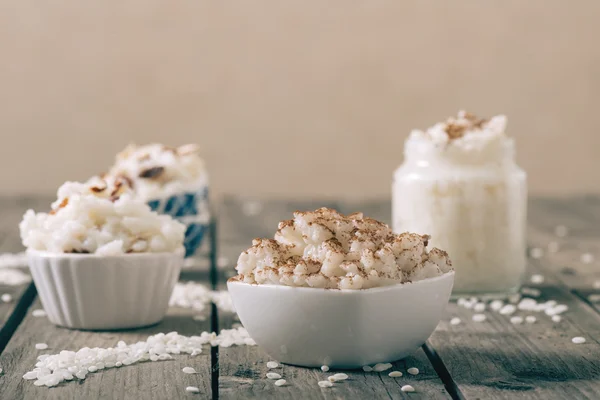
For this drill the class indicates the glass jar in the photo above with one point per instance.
(473, 203)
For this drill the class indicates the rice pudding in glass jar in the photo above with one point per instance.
(460, 183)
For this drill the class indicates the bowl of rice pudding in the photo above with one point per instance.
(101, 258)
(340, 290)
(172, 181)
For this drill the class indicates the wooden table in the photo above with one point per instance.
(494, 359)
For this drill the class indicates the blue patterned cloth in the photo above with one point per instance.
(190, 209)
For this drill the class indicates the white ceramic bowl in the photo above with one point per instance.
(341, 328)
(85, 291)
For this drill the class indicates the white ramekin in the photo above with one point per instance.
(85, 291)
(341, 328)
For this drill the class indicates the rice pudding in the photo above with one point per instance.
(157, 171)
(460, 183)
(103, 219)
(325, 249)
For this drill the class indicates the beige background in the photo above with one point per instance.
(293, 98)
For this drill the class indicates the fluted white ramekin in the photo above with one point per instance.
(85, 291)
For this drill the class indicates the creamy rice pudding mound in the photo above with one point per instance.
(157, 171)
(101, 218)
(325, 249)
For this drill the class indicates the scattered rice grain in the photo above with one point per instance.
(587, 258)
(496, 305)
(280, 382)
(395, 374)
(192, 389)
(6, 298)
(530, 319)
(325, 384)
(272, 364)
(527, 304)
(556, 310)
(556, 318)
(382, 367)
(516, 320)
(340, 376)
(12, 260)
(508, 309)
(39, 313)
(578, 340)
(536, 252)
(41, 346)
(13, 277)
(325, 368)
(189, 370)
(413, 371)
(273, 375)
(479, 317)
(537, 279)
(407, 388)
(455, 321)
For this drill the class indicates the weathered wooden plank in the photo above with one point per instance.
(563, 255)
(242, 370)
(12, 312)
(150, 380)
(496, 359)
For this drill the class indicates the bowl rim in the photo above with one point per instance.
(48, 254)
(445, 276)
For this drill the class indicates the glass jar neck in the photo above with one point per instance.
(491, 152)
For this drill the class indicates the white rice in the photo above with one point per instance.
(13, 277)
(13, 260)
(39, 313)
(101, 219)
(382, 367)
(198, 296)
(50, 370)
